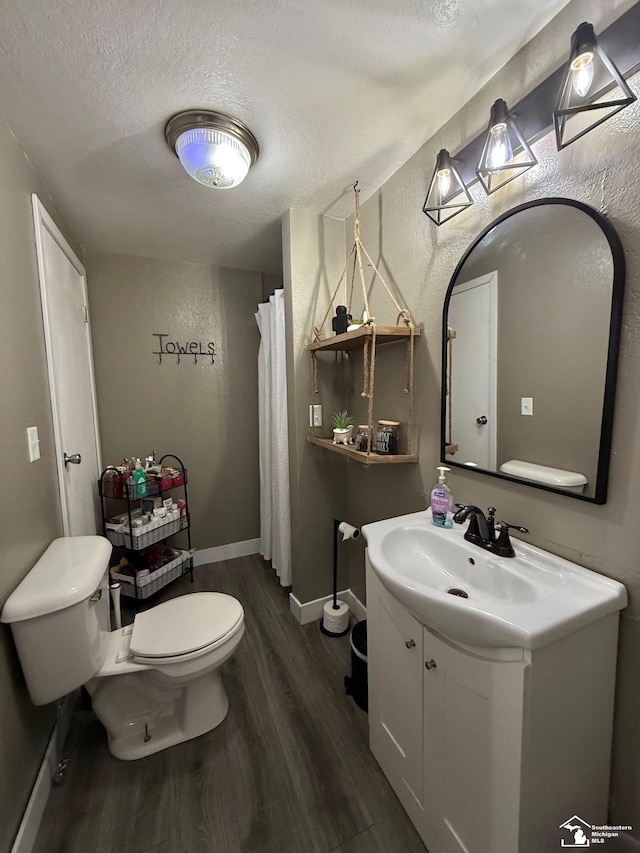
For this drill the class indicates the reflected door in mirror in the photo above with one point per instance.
(473, 324)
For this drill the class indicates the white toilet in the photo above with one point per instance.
(557, 478)
(154, 683)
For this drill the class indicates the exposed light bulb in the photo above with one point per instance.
(444, 182)
(500, 151)
(582, 69)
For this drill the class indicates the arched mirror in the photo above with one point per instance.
(530, 345)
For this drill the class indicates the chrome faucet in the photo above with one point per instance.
(482, 529)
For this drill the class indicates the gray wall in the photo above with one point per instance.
(270, 283)
(602, 170)
(29, 506)
(313, 258)
(205, 413)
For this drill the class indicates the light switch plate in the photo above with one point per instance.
(526, 405)
(34, 444)
(315, 416)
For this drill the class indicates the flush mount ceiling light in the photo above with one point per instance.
(505, 154)
(215, 149)
(447, 194)
(592, 89)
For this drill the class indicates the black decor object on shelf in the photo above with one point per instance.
(341, 320)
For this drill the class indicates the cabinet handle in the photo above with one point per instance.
(410, 644)
(430, 664)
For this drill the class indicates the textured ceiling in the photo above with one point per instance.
(334, 90)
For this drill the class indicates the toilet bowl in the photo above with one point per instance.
(153, 684)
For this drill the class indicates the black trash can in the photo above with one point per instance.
(357, 684)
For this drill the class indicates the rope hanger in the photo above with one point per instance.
(356, 253)
(369, 350)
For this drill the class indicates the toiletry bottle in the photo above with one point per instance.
(140, 480)
(442, 500)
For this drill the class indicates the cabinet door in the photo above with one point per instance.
(394, 641)
(473, 729)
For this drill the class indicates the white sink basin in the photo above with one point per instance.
(527, 601)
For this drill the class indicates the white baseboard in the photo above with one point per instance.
(30, 823)
(226, 552)
(357, 608)
(311, 611)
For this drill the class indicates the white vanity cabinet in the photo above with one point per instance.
(395, 645)
(490, 750)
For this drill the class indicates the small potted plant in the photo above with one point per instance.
(342, 427)
(356, 322)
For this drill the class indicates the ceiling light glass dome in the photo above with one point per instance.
(215, 150)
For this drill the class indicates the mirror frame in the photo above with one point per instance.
(615, 323)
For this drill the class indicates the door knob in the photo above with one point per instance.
(74, 459)
(481, 421)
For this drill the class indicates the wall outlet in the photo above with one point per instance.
(315, 416)
(526, 405)
(34, 444)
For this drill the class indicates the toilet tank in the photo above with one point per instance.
(59, 615)
(557, 478)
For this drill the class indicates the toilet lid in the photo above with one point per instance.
(185, 624)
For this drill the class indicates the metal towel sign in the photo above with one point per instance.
(179, 350)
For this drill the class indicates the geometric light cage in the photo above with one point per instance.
(592, 89)
(447, 195)
(506, 154)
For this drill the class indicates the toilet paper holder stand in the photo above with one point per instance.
(335, 618)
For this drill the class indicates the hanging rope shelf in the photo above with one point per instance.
(367, 337)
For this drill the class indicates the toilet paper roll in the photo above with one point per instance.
(336, 621)
(348, 531)
(115, 598)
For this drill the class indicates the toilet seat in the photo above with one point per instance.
(185, 627)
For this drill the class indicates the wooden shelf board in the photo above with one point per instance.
(356, 339)
(359, 455)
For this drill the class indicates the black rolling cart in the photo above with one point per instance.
(154, 548)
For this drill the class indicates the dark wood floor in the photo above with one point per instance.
(288, 771)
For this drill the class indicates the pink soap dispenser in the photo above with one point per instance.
(442, 500)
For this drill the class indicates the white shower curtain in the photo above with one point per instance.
(275, 514)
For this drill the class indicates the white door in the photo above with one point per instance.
(473, 317)
(63, 291)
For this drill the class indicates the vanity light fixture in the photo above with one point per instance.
(576, 97)
(447, 194)
(592, 89)
(215, 149)
(505, 154)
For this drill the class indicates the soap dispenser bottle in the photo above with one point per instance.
(139, 480)
(442, 500)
